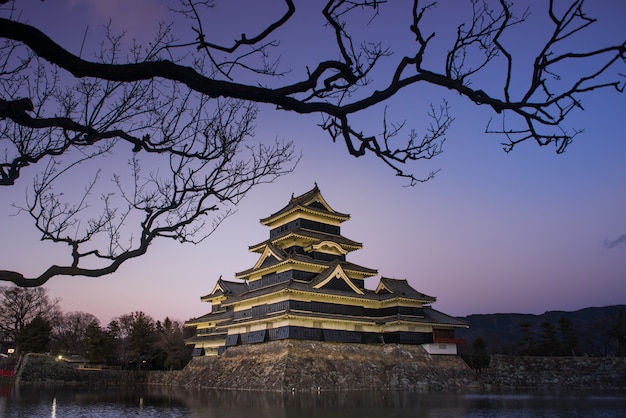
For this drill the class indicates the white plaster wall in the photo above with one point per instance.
(440, 348)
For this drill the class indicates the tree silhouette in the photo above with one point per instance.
(478, 358)
(528, 343)
(569, 339)
(613, 332)
(170, 345)
(548, 341)
(20, 306)
(135, 338)
(153, 103)
(35, 336)
(99, 344)
(68, 334)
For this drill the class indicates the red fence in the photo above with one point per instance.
(6, 372)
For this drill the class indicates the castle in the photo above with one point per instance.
(302, 287)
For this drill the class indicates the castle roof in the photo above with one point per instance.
(311, 202)
(310, 235)
(310, 287)
(401, 287)
(441, 318)
(211, 317)
(225, 288)
(272, 262)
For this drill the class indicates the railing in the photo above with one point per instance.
(6, 372)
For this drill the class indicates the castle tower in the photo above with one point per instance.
(303, 287)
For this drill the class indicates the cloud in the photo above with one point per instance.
(621, 240)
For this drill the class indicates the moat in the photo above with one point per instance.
(186, 402)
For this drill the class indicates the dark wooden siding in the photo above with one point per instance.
(253, 337)
(329, 308)
(305, 224)
(197, 352)
(317, 334)
(232, 340)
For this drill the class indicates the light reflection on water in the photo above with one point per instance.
(180, 402)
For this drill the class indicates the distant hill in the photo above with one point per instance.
(597, 330)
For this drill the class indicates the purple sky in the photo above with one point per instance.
(528, 231)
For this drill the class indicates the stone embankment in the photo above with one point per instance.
(293, 365)
(48, 370)
(556, 372)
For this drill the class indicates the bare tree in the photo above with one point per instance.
(19, 306)
(197, 150)
(68, 334)
(156, 99)
(170, 344)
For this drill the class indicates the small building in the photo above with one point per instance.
(303, 287)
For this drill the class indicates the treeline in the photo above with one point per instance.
(30, 321)
(559, 340)
(598, 332)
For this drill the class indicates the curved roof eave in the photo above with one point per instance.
(304, 201)
(340, 217)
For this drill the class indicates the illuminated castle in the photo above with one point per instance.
(303, 287)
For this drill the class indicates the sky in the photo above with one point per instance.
(527, 231)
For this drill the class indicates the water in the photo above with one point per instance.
(178, 402)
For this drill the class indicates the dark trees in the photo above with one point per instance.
(171, 351)
(99, 344)
(35, 336)
(21, 306)
(478, 358)
(548, 341)
(140, 342)
(141, 338)
(68, 334)
(189, 101)
(569, 337)
(527, 345)
(134, 338)
(559, 340)
(612, 330)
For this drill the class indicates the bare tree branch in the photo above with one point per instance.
(190, 103)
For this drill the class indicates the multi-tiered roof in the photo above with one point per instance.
(303, 287)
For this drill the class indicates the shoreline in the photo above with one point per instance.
(306, 366)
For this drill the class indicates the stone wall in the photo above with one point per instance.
(293, 365)
(310, 366)
(47, 370)
(556, 372)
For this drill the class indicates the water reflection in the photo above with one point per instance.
(181, 402)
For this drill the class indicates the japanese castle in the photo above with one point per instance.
(302, 287)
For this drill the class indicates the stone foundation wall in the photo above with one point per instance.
(310, 366)
(294, 365)
(556, 372)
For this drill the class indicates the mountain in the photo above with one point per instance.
(596, 332)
